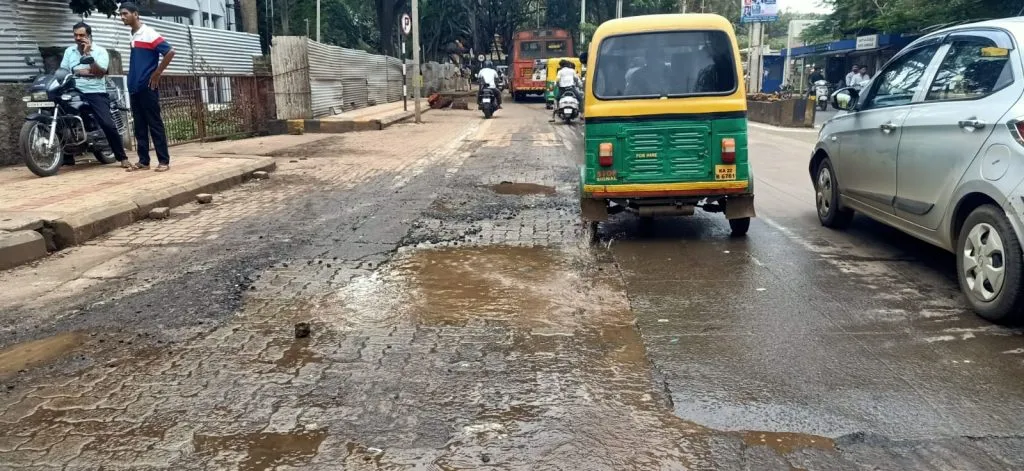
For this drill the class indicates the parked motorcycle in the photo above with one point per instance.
(822, 94)
(568, 107)
(62, 123)
(487, 101)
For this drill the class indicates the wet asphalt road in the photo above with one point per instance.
(458, 322)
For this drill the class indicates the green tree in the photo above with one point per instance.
(858, 17)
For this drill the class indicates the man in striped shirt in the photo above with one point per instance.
(144, 69)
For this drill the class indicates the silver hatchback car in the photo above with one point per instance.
(933, 146)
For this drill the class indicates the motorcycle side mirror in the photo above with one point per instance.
(584, 56)
(87, 60)
(845, 99)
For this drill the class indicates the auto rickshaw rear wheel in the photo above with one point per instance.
(739, 226)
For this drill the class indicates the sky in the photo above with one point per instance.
(804, 6)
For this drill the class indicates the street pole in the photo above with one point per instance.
(583, 20)
(317, 20)
(682, 6)
(405, 86)
(754, 69)
(618, 8)
(416, 57)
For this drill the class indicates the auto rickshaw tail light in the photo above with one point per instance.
(728, 150)
(604, 154)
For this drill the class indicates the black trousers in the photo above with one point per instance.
(99, 103)
(146, 113)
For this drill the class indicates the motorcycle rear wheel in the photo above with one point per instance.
(41, 161)
(104, 157)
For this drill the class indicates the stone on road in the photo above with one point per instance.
(420, 298)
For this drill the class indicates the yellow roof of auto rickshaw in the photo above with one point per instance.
(670, 22)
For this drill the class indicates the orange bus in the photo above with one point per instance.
(529, 47)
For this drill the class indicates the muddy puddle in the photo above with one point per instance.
(522, 189)
(520, 287)
(785, 443)
(573, 368)
(297, 355)
(38, 352)
(265, 450)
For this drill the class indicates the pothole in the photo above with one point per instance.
(522, 189)
(28, 354)
(265, 450)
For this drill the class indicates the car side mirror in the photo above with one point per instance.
(845, 99)
(87, 60)
(584, 56)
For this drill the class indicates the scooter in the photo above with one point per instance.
(487, 101)
(568, 107)
(821, 94)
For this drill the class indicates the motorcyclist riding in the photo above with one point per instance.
(488, 77)
(568, 81)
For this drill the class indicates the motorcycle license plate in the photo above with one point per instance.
(39, 104)
(486, 100)
(567, 110)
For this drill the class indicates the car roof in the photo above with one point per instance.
(1015, 25)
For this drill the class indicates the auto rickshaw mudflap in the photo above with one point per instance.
(594, 209)
(740, 206)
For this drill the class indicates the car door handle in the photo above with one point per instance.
(888, 127)
(971, 124)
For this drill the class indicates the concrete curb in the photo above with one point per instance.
(20, 247)
(339, 126)
(21, 238)
(76, 229)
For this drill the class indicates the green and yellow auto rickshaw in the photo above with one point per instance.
(550, 87)
(666, 126)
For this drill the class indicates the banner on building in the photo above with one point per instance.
(759, 11)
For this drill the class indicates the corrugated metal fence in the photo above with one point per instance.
(313, 80)
(35, 24)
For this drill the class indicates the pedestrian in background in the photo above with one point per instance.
(93, 86)
(852, 77)
(144, 70)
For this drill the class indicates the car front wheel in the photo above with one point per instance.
(826, 198)
(990, 266)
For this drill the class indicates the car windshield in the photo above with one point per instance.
(667, 64)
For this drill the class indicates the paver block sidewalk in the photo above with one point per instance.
(87, 200)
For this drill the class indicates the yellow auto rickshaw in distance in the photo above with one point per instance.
(550, 87)
(666, 125)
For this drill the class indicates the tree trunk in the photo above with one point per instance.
(250, 21)
(285, 18)
(387, 15)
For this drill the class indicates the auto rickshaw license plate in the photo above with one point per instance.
(725, 172)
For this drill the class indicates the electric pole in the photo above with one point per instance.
(416, 77)
(318, 21)
(618, 8)
(583, 21)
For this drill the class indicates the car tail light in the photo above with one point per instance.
(728, 150)
(604, 155)
(1016, 127)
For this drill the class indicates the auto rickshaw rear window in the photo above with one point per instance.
(665, 64)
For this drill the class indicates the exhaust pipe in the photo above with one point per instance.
(665, 210)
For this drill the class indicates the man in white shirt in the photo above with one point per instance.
(567, 81)
(853, 77)
(489, 78)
